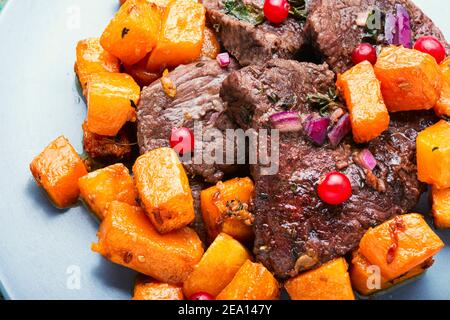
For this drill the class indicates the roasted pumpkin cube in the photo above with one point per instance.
(218, 266)
(252, 282)
(225, 209)
(441, 207)
(164, 189)
(433, 155)
(329, 282)
(181, 37)
(442, 107)
(399, 245)
(410, 79)
(367, 278)
(159, 3)
(211, 46)
(92, 59)
(368, 113)
(112, 98)
(146, 288)
(127, 237)
(103, 186)
(57, 170)
(133, 32)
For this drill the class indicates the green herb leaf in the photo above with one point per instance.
(324, 101)
(244, 12)
(298, 9)
(273, 97)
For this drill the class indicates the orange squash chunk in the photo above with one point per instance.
(329, 282)
(57, 170)
(224, 209)
(103, 186)
(433, 155)
(127, 237)
(399, 245)
(368, 113)
(92, 59)
(363, 276)
(164, 189)
(111, 99)
(217, 267)
(211, 46)
(181, 36)
(442, 107)
(148, 289)
(410, 79)
(252, 282)
(441, 207)
(133, 32)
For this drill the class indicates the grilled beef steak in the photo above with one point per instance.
(334, 31)
(253, 42)
(197, 100)
(294, 229)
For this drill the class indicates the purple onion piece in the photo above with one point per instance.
(283, 115)
(316, 129)
(404, 26)
(368, 161)
(390, 29)
(223, 59)
(288, 125)
(340, 130)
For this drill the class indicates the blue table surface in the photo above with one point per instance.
(41, 248)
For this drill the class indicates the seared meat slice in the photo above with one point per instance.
(110, 149)
(294, 229)
(332, 26)
(197, 100)
(252, 44)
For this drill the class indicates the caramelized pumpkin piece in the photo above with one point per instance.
(368, 113)
(441, 207)
(181, 36)
(92, 59)
(252, 282)
(399, 245)
(127, 237)
(433, 155)
(133, 32)
(442, 107)
(410, 79)
(112, 98)
(225, 209)
(164, 189)
(57, 170)
(367, 278)
(103, 186)
(141, 74)
(329, 282)
(217, 267)
(211, 46)
(146, 288)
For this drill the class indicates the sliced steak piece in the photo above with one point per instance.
(294, 229)
(197, 100)
(254, 44)
(333, 30)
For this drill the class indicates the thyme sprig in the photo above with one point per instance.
(324, 102)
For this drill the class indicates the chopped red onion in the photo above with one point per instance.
(340, 130)
(287, 121)
(368, 161)
(390, 29)
(224, 59)
(404, 26)
(316, 129)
